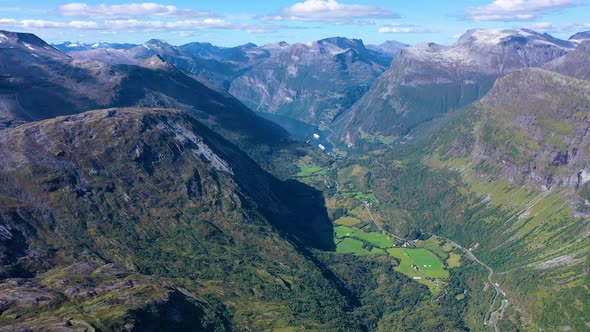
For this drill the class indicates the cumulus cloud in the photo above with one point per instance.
(132, 10)
(133, 25)
(403, 28)
(550, 27)
(517, 10)
(43, 24)
(330, 11)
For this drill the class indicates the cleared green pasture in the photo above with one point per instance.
(351, 246)
(428, 264)
(433, 245)
(375, 238)
(310, 169)
(343, 231)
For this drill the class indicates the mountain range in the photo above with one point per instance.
(311, 82)
(51, 83)
(428, 80)
(141, 191)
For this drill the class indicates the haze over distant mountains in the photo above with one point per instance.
(325, 83)
(311, 82)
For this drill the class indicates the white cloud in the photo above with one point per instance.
(185, 26)
(399, 30)
(43, 24)
(133, 25)
(549, 27)
(517, 10)
(403, 28)
(132, 10)
(330, 11)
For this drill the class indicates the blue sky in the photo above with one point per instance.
(227, 23)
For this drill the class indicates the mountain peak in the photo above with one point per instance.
(28, 43)
(499, 36)
(493, 36)
(343, 42)
(27, 39)
(388, 47)
(156, 43)
(276, 45)
(580, 36)
(249, 45)
(575, 63)
(157, 62)
(391, 44)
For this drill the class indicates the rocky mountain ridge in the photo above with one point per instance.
(573, 64)
(150, 197)
(311, 82)
(67, 46)
(39, 82)
(268, 78)
(580, 36)
(528, 133)
(427, 80)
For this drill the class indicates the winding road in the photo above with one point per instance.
(492, 317)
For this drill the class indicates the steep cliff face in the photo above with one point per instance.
(428, 80)
(531, 128)
(310, 82)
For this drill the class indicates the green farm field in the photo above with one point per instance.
(428, 264)
(310, 169)
(375, 238)
(350, 246)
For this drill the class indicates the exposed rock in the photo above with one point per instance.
(311, 82)
(575, 64)
(427, 80)
(390, 47)
(580, 36)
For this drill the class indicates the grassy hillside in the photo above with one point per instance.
(144, 219)
(171, 207)
(505, 180)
